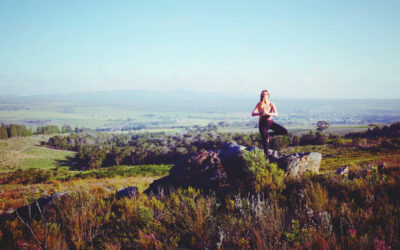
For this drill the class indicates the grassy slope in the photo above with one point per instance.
(24, 152)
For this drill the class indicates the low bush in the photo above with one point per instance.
(140, 170)
(29, 176)
(34, 176)
(263, 176)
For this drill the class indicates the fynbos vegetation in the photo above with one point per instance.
(319, 211)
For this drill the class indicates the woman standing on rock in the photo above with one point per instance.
(265, 110)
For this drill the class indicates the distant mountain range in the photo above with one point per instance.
(185, 100)
(178, 100)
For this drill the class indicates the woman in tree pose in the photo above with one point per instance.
(265, 110)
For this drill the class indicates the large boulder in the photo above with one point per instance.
(208, 170)
(201, 170)
(295, 165)
(231, 156)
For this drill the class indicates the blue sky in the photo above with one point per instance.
(330, 49)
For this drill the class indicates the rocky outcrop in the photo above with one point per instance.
(225, 171)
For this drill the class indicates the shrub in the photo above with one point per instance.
(296, 140)
(263, 177)
(81, 216)
(316, 197)
(280, 142)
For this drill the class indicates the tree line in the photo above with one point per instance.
(18, 130)
(14, 130)
(389, 131)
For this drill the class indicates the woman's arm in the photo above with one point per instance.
(272, 112)
(256, 111)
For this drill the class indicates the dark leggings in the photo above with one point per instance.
(264, 125)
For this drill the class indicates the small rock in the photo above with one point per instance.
(128, 192)
(273, 155)
(342, 171)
